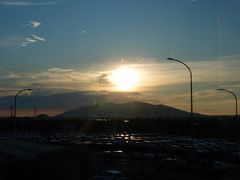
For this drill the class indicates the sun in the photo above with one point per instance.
(124, 79)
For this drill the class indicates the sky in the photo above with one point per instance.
(68, 51)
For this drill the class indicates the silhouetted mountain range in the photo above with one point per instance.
(126, 110)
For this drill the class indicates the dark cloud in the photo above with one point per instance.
(68, 100)
(103, 79)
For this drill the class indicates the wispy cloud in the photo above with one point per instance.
(6, 74)
(10, 41)
(38, 38)
(52, 78)
(27, 3)
(60, 70)
(28, 41)
(82, 32)
(34, 24)
(103, 79)
(31, 40)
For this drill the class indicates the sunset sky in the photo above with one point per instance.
(79, 52)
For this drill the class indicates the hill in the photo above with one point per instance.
(126, 110)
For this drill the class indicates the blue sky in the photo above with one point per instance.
(68, 45)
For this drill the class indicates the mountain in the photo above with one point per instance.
(127, 110)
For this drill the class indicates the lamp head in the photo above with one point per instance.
(170, 59)
(220, 89)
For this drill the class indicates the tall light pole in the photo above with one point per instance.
(234, 95)
(15, 100)
(191, 89)
(191, 100)
(236, 113)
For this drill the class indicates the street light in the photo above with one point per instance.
(191, 91)
(234, 95)
(191, 99)
(15, 100)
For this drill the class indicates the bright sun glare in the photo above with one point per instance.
(125, 79)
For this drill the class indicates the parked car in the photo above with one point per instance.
(111, 175)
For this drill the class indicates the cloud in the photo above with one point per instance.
(59, 70)
(59, 79)
(82, 32)
(103, 79)
(155, 76)
(6, 74)
(160, 82)
(55, 79)
(28, 41)
(31, 40)
(34, 24)
(38, 38)
(10, 41)
(27, 3)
